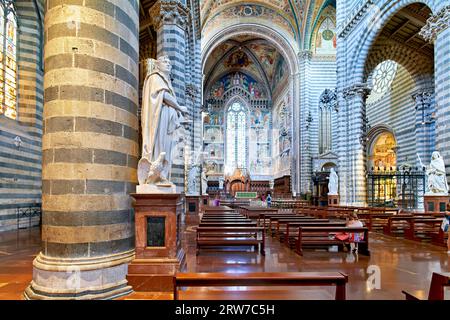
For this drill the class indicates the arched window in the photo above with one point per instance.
(8, 59)
(327, 105)
(236, 148)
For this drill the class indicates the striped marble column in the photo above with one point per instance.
(437, 30)
(356, 158)
(169, 18)
(90, 149)
(423, 99)
(305, 151)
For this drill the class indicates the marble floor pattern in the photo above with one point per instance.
(403, 265)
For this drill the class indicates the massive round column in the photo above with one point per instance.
(90, 149)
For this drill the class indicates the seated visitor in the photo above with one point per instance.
(354, 238)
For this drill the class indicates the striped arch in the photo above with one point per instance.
(379, 17)
(420, 68)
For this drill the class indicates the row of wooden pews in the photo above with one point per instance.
(305, 229)
(416, 226)
(223, 227)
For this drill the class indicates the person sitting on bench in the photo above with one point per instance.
(354, 238)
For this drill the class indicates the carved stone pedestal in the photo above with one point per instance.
(159, 254)
(436, 203)
(204, 201)
(192, 210)
(333, 200)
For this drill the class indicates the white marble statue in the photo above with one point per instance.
(436, 176)
(204, 182)
(161, 117)
(192, 183)
(333, 183)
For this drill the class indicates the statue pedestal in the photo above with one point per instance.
(159, 254)
(435, 203)
(204, 201)
(192, 210)
(333, 200)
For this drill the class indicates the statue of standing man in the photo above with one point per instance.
(161, 117)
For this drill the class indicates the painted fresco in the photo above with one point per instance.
(325, 38)
(237, 79)
(238, 59)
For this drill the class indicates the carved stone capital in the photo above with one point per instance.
(435, 24)
(191, 90)
(305, 55)
(359, 89)
(169, 12)
(422, 97)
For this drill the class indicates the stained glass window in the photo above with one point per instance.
(8, 59)
(236, 137)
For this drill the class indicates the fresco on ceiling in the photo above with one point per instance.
(279, 4)
(325, 42)
(267, 56)
(250, 11)
(237, 79)
(217, 54)
(280, 72)
(238, 59)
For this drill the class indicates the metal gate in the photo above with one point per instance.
(402, 188)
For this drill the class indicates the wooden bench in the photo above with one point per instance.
(320, 236)
(437, 287)
(223, 236)
(397, 225)
(278, 223)
(291, 231)
(265, 279)
(423, 228)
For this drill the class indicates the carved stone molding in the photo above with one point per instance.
(328, 99)
(305, 55)
(422, 98)
(357, 14)
(359, 89)
(166, 12)
(436, 24)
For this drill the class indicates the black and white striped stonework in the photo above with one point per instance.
(90, 148)
(20, 167)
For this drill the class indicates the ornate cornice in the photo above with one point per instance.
(359, 89)
(435, 24)
(169, 12)
(354, 19)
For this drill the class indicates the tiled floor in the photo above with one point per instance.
(403, 265)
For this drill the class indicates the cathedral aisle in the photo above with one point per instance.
(404, 265)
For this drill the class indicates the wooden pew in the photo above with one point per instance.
(223, 236)
(437, 286)
(319, 236)
(423, 228)
(276, 223)
(397, 224)
(265, 279)
(291, 233)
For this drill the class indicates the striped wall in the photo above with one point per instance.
(396, 109)
(20, 167)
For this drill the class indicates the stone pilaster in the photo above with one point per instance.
(423, 101)
(90, 150)
(170, 19)
(356, 187)
(304, 154)
(437, 31)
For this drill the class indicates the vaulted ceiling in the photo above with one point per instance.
(252, 56)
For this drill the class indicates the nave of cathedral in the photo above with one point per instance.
(299, 148)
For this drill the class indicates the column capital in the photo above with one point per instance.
(191, 90)
(435, 24)
(305, 55)
(168, 12)
(422, 96)
(358, 89)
